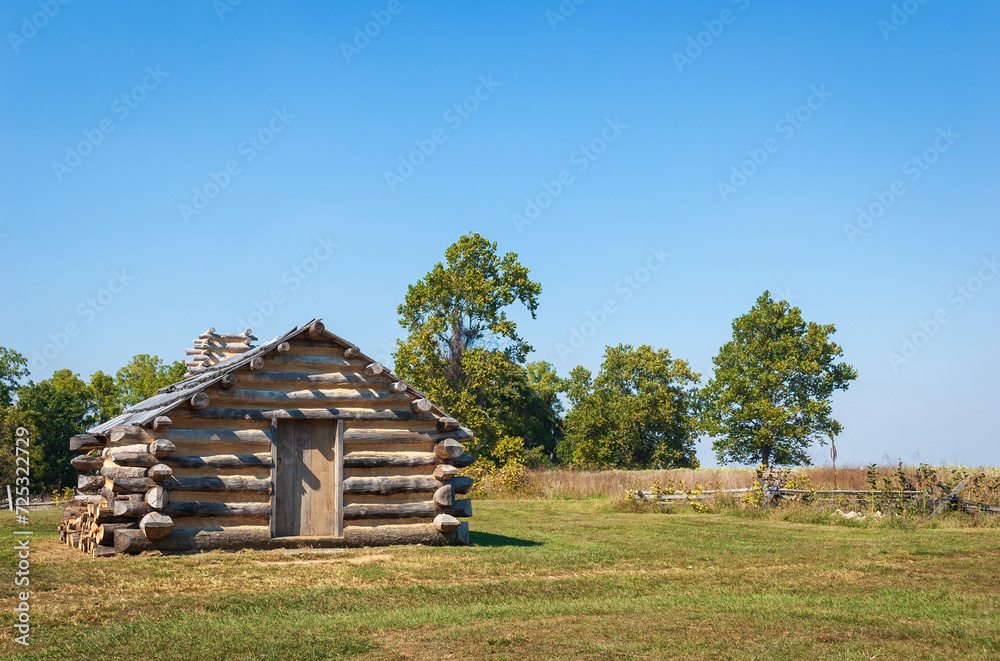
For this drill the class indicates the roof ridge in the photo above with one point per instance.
(171, 396)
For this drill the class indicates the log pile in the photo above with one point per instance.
(89, 525)
(122, 490)
(211, 348)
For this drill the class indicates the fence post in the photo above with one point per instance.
(947, 500)
(10, 501)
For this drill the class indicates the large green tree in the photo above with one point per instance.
(142, 377)
(53, 410)
(637, 412)
(464, 351)
(770, 395)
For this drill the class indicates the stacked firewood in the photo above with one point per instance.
(89, 525)
(125, 494)
(211, 348)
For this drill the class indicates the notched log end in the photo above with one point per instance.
(449, 448)
(422, 405)
(446, 523)
(316, 329)
(156, 525)
(447, 423)
(85, 442)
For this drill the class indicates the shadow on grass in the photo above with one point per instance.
(489, 539)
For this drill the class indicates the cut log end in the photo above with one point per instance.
(449, 448)
(445, 471)
(446, 523)
(447, 423)
(199, 401)
(445, 496)
(422, 405)
(86, 462)
(161, 422)
(374, 369)
(160, 472)
(156, 526)
(85, 442)
(157, 498)
(161, 448)
(125, 434)
(89, 482)
(316, 329)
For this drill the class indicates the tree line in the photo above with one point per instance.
(63, 405)
(767, 401)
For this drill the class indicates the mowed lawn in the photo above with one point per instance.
(544, 579)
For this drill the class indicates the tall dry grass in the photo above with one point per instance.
(984, 483)
(566, 483)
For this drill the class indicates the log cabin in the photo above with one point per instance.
(300, 441)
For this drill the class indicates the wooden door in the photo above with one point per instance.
(308, 478)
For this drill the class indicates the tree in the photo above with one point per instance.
(13, 368)
(544, 410)
(464, 351)
(143, 376)
(106, 396)
(462, 305)
(547, 383)
(769, 397)
(53, 410)
(10, 419)
(637, 413)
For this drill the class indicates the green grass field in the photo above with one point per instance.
(544, 579)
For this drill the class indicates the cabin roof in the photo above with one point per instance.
(176, 394)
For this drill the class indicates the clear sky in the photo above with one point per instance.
(172, 166)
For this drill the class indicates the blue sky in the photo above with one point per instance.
(629, 123)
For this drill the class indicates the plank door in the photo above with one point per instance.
(308, 495)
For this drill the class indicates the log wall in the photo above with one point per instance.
(216, 464)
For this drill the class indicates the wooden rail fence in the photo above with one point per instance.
(922, 498)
